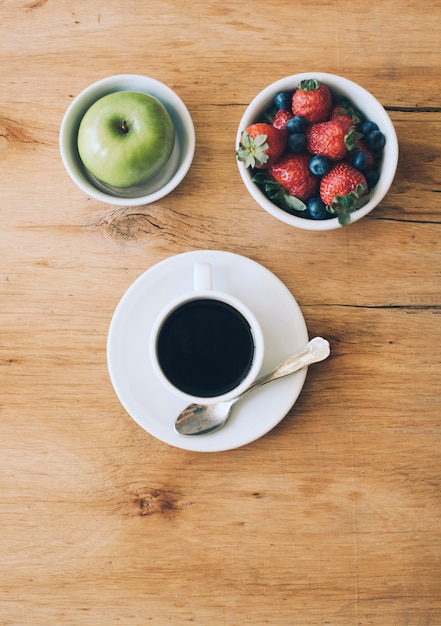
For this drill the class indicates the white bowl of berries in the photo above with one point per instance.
(316, 150)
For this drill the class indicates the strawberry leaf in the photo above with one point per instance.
(348, 108)
(344, 217)
(278, 194)
(309, 84)
(352, 200)
(343, 206)
(259, 141)
(268, 116)
(252, 150)
(351, 138)
(291, 203)
(264, 180)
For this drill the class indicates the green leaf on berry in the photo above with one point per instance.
(351, 138)
(344, 217)
(268, 116)
(343, 206)
(348, 108)
(309, 84)
(277, 194)
(252, 150)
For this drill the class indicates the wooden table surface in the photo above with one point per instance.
(332, 518)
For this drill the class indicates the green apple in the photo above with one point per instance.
(125, 138)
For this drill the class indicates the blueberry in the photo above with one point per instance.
(282, 100)
(375, 140)
(296, 124)
(296, 142)
(316, 209)
(367, 127)
(372, 178)
(360, 160)
(319, 165)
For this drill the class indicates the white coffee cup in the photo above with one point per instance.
(206, 346)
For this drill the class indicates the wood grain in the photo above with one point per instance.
(334, 517)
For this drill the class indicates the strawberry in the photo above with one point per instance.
(344, 119)
(261, 145)
(330, 139)
(280, 119)
(312, 101)
(343, 190)
(346, 113)
(293, 174)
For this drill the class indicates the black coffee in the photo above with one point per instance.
(205, 347)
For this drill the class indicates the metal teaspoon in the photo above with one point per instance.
(204, 419)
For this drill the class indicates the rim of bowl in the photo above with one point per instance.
(347, 87)
(177, 109)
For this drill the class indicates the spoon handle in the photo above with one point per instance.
(316, 350)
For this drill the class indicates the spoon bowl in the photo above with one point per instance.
(204, 419)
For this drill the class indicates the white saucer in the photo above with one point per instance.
(155, 408)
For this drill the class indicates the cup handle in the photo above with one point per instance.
(202, 277)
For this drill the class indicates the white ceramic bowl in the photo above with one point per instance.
(167, 179)
(371, 109)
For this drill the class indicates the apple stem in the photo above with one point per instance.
(124, 127)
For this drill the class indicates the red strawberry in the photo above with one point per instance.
(261, 145)
(312, 101)
(346, 113)
(292, 172)
(330, 139)
(342, 117)
(343, 189)
(280, 119)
